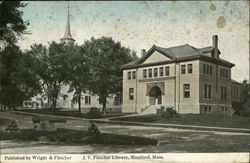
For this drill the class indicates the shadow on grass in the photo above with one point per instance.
(75, 113)
(73, 137)
(213, 120)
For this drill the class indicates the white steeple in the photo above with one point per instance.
(67, 38)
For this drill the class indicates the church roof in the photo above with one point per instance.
(178, 54)
(67, 34)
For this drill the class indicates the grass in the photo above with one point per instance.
(4, 122)
(213, 120)
(75, 113)
(73, 137)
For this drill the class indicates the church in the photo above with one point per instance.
(65, 99)
(185, 78)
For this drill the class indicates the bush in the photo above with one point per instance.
(94, 113)
(168, 112)
(237, 107)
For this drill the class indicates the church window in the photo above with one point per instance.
(186, 90)
(144, 73)
(155, 72)
(87, 100)
(131, 93)
(190, 68)
(161, 71)
(183, 69)
(117, 101)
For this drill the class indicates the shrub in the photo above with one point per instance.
(168, 112)
(94, 113)
(237, 107)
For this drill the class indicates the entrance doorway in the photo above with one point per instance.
(155, 96)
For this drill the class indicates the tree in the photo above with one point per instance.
(105, 58)
(78, 74)
(18, 81)
(12, 26)
(245, 98)
(242, 107)
(50, 67)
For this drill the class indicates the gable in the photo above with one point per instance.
(156, 57)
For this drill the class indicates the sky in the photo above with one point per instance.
(142, 24)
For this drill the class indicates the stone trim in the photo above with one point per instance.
(157, 79)
(161, 85)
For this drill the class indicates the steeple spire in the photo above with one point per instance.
(67, 38)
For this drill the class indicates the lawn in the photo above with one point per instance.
(194, 119)
(4, 121)
(73, 137)
(75, 113)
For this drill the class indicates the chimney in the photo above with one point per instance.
(143, 52)
(215, 46)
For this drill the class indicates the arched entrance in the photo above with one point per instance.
(155, 96)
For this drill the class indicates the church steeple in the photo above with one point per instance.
(67, 38)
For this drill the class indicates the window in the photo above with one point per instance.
(236, 92)
(209, 91)
(161, 71)
(87, 100)
(150, 73)
(129, 75)
(131, 93)
(205, 108)
(222, 108)
(205, 91)
(190, 68)
(204, 69)
(117, 100)
(211, 70)
(145, 73)
(225, 109)
(155, 72)
(208, 69)
(167, 71)
(221, 72)
(209, 108)
(226, 75)
(183, 69)
(225, 93)
(65, 97)
(222, 92)
(134, 75)
(186, 90)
